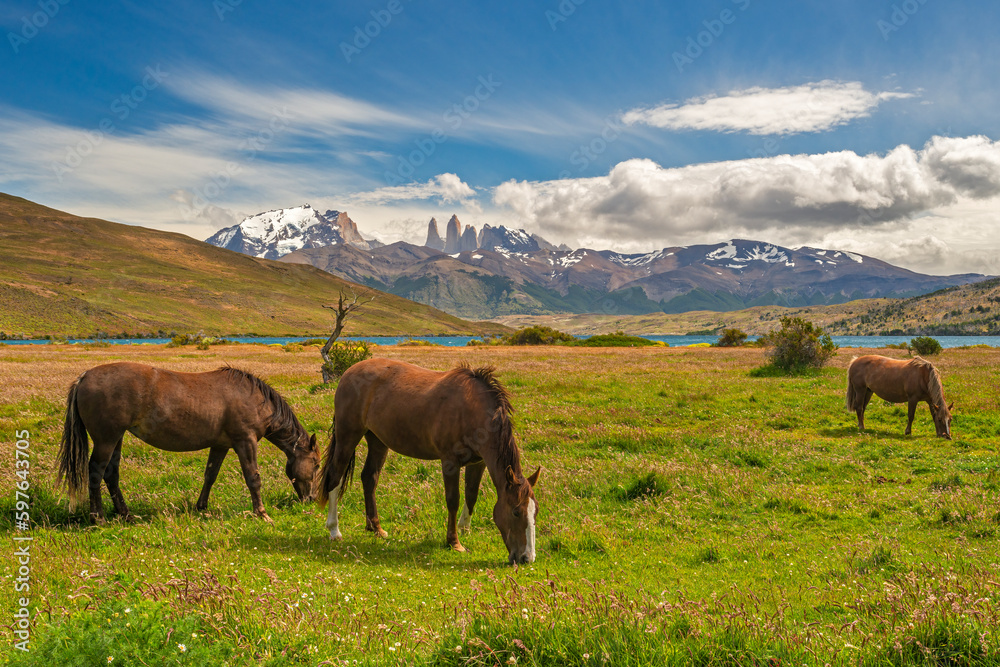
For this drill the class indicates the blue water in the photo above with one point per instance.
(458, 341)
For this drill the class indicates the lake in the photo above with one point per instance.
(458, 341)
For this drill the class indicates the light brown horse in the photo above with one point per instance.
(898, 381)
(461, 417)
(219, 410)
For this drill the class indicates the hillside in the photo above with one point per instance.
(67, 275)
(965, 310)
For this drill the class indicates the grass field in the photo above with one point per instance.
(689, 514)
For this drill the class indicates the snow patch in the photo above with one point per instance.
(727, 251)
(857, 258)
(736, 266)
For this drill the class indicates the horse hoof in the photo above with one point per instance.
(97, 520)
(265, 517)
(381, 533)
(336, 537)
(458, 547)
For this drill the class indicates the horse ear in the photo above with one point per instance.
(951, 406)
(312, 442)
(511, 477)
(534, 478)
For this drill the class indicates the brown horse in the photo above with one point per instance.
(219, 410)
(898, 381)
(461, 417)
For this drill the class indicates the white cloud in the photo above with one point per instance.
(444, 188)
(789, 199)
(811, 107)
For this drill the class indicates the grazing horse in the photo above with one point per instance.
(460, 417)
(219, 410)
(898, 381)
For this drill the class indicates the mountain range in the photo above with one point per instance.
(500, 271)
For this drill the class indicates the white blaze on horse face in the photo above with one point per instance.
(465, 521)
(529, 533)
(331, 515)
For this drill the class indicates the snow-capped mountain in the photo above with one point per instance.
(512, 273)
(273, 234)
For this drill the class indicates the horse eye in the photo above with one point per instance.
(516, 513)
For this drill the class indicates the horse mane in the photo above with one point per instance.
(934, 387)
(507, 452)
(282, 417)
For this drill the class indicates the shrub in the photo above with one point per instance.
(344, 354)
(798, 345)
(731, 338)
(925, 345)
(614, 340)
(537, 335)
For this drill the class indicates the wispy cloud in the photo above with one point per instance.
(811, 107)
(443, 188)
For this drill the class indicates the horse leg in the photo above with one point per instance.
(111, 479)
(864, 406)
(910, 414)
(452, 474)
(216, 455)
(377, 452)
(100, 457)
(247, 453)
(473, 477)
(342, 460)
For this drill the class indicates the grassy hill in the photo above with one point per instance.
(67, 275)
(972, 309)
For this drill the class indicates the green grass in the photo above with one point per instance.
(689, 514)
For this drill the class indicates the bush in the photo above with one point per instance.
(731, 338)
(345, 354)
(798, 345)
(537, 335)
(615, 340)
(925, 345)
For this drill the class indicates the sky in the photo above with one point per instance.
(862, 125)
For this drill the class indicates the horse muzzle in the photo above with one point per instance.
(522, 559)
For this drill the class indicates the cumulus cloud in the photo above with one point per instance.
(811, 107)
(444, 188)
(782, 198)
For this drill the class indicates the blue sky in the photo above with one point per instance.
(867, 126)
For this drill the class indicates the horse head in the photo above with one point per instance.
(514, 514)
(942, 419)
(303, 465)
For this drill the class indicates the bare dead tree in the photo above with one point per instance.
(344, 307)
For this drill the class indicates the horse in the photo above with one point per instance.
(460, 417)
(219, 410)
(898, 381)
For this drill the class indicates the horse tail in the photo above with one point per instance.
(852, 394)
(327, 482)
(74, 448)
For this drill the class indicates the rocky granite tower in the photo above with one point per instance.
(469, 241)
(433, 238)
(452, 236)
